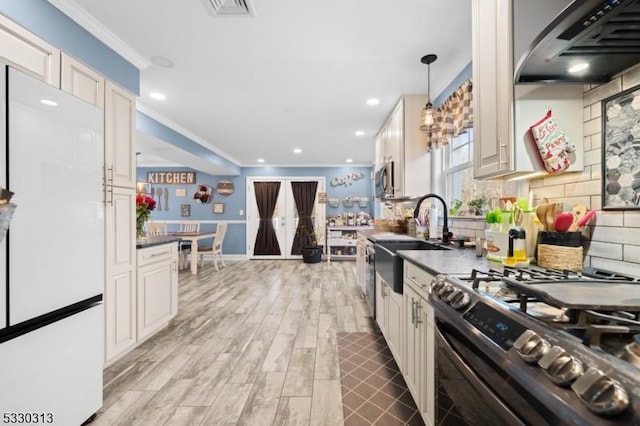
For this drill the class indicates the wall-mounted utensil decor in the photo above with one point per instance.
(185, 210)
(225, 187)
(166, 199)
(203, 194)
(159, 193)
(620, 175)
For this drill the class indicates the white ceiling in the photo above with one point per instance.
(295, 75)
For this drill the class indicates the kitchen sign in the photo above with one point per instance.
(171, 178)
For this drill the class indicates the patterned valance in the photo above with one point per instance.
(452, 118)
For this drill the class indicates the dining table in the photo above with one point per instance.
(193, 237)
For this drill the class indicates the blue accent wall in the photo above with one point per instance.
(235, 239)
(463, 76)
(49, 23)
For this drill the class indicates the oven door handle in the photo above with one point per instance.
(471, 376)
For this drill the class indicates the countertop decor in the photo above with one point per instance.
(144, 205)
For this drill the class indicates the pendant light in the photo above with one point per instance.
(427, 118)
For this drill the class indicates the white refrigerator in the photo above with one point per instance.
(51, 260)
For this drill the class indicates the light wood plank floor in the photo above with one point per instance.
(252, 344)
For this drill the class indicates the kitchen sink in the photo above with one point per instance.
(389, 265)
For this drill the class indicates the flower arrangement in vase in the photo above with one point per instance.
(144, 205)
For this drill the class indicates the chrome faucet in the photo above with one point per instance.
(446, 235)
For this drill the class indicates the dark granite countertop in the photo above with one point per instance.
(156, 240)
(458, 261)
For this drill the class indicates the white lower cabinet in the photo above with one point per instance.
(418, 366)
(389, 317)
(157, 288)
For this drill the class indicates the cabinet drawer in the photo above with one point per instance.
(416, 275)
(160, 253)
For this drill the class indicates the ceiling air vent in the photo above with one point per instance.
(230, 7)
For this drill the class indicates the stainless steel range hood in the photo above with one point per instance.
(603, 34)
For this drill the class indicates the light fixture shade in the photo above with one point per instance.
(427, 117)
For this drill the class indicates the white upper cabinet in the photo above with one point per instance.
(119, 134)
(401, 141)
(82, 81)
(503, 112)
(29, 53)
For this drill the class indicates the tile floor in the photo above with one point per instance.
(253, 344)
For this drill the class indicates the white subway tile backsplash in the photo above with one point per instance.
(590, 187)
(615, 235)
(606, 250)
(603, 91)
(593, 156)
(596, 110)
(631, 253)
(631, 78)
(631, 218)
(624, 267)
(605, 218)
(592, 127)
(586, 113)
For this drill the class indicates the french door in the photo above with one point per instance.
(279, 214)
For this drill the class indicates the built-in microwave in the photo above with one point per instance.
(384, 181)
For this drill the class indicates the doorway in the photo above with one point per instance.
(272, 223)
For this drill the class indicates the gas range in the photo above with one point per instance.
(575, 336)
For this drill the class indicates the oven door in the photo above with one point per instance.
(473, 390)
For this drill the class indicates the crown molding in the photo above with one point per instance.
(102, 33)
(184, 132)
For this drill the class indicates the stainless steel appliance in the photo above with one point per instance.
(52, 259)
(536, 347)
(370, 277)
(604, 34)
(383, 181)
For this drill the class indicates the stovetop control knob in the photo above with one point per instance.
(437, 283)
(530, 346)
(560, 366)
(445, 291)
(600, 393)
(458, 299)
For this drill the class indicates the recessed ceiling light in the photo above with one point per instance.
(349, 160)
(578, 67)
(359, 132)
(157, 96)
(48, 102)
(373, 101)
(260, 160)
(297, 150)
(161, 61)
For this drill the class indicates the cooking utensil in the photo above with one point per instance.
(159, 195)
(550, 216)
(563, 222)
(586, 218)
(541, 213)
(578, 210)
(166, 199)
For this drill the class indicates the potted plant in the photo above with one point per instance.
(456, 205)
(312, 252)
(476, 204)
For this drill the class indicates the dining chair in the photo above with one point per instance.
(215, 249)
(185, 246)
(156, 228)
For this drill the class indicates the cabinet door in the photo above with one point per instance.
(395, 147)
(120, 267)
(29, 53)
(492, 87)
(82, 81)
(394, 320)
(380, 303)
(155, 297)
(427, 355)
(119, 134)
(411, 369)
